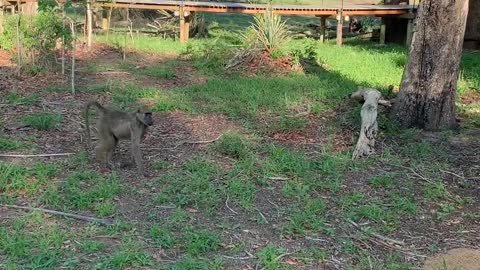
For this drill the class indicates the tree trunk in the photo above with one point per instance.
(89, 24)
(427, 92)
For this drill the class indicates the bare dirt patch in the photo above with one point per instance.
(461, 258)
(470, 97)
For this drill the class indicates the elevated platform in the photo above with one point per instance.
(228, 7)
(184, 8)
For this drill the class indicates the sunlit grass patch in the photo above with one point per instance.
(192, 186)
(160, 71)
(233, 144)
(16, 98)
(7, 144)
(43, 121)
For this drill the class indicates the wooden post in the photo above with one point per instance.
(1, 21)
(183, 35)
(89, 24)
(340, 27)
(323, 27)
(383, 31)
(409, 33)
(188, 20)
(105, 25)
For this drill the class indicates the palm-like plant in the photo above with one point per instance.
(269, 31)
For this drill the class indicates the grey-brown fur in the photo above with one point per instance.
(117, 125)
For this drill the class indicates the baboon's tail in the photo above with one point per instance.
(87, 122)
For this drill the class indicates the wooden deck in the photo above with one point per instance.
(185, 8)
(228, 7)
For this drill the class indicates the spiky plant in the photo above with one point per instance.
(269, 31)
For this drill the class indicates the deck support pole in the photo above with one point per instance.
(89, 24)
(340, 27)
(383, 31)
(185, 19)
(323, 27)
(409, 33)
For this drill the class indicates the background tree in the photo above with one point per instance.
(427, 92)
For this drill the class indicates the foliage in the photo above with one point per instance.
(38, 36)
(269, 31)
(369, 23)
(43, 121)
(210, 56)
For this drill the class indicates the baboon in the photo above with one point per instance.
(116, 125)
(354, 26)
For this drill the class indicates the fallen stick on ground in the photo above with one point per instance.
(207, 141)
(53, 212)
(39, 155)
(381, 237)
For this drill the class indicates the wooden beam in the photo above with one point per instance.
(323, 27)
(383, 31)
(183, 24)
(259, 10)
(340, 27)
(409, 33)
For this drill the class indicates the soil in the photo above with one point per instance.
(171, 140)
(461, 258)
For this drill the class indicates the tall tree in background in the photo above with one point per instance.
(427, 92)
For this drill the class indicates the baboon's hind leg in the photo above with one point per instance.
(105, 151)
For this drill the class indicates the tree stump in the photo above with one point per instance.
(368, 132)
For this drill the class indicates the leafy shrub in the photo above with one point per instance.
(38, 36)
(210, 56)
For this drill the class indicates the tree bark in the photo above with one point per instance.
(427, 92)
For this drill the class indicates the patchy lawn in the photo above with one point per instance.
(278, 189)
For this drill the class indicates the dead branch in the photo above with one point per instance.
(368, 132)
(53, 212)
(207, 141)
(316, 239)
(381, 237)
(238, 258)
(283, 255)
(242, 56)
(226, 204)
(38, 155)
(278, 178)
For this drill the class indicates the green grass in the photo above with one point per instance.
(162, 237)
(16, 98)
(382, 181)
(242, 191)
(160, 71)
(307, 216)
(143, 43)
(43, 121)
(8, 144)
(191, 187)
(292, 191)
(269, 257)
(199, 242)
(232, 144)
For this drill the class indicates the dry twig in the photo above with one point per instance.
(381, 237)
(53, 212)
(38, 155)
(226, 204)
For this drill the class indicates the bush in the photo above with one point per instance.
(38, 36)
